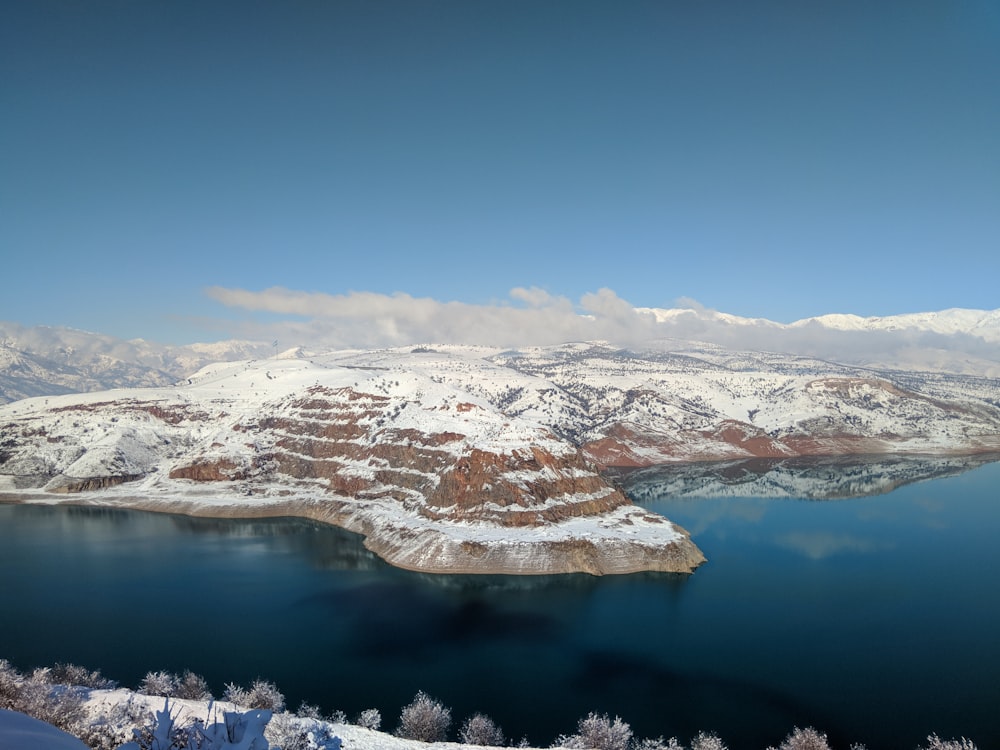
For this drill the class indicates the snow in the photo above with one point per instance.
(21, 732)
(99, 703)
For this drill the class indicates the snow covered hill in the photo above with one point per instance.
(435, 477)
(470, 459)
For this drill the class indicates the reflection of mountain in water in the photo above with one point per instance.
(810, 478)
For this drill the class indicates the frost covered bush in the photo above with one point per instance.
(284, 732)
(193, 687)
(168, 685)
(260, 694)
(707, 741)
(10, 684)
(370, 718)
(159, 683)
(308, 711)
(337, 717)
(480, 729)
(425, 719)
(73, 674)
(598, 732)
(936, 743)
(804, 739)
(38, 697)
(658, 744)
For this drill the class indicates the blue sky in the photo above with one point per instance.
(159, 160)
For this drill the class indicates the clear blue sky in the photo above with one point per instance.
(773, 159)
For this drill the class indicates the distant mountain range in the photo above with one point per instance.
(44, 361)
(37, 361)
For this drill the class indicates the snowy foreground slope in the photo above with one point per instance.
(114, 711)
(464, 459)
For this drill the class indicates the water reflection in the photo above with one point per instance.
(809, 478)
(855, 617)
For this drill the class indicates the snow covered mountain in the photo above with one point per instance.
(48, 361)
(471, 459)
(43, 361)
(955, 341)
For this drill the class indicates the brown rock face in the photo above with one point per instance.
(220, 470)
(520, 489)
(89, 484)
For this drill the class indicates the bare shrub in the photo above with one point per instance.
(425, 719)
(261, 695)
(658, 744)
(337, 717)
(192, 687)
(804, 739)
(284, 732)
(159, 683)
(308, 711)
(370, 718)
(598, 732)
(936, 743)
(58, 705)
(480, 729)
(73, 674)
(235, 694)
(10, 685)
(707, 741)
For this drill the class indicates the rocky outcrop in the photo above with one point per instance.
(434, 481)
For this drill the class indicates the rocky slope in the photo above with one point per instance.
(436, 479)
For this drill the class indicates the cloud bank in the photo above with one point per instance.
(533, 317)
(366, 319)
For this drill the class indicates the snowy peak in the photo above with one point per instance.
(984, 324)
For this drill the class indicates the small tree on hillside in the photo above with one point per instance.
(479, 729)
(598, 732)
(936, 743)
(804, 739)
(425, 719)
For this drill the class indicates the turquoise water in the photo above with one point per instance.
(873, 619)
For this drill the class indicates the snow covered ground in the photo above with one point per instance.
(21, 732)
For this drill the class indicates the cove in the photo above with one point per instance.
(873, 619)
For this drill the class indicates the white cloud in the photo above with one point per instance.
(532, 316)
(370, 319)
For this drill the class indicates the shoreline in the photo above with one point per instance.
(594, 546)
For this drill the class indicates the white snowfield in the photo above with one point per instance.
(21, 732)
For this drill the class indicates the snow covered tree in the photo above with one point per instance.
(804, 739)
(480, 729)
(707, 741)
(261, 694)
(193, 687)
(425, 719)
(370, 718)
(936, 743)
(159, 683)
(598, 732)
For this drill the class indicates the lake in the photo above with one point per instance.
(874, 619)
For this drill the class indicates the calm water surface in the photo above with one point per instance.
(873, 619)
